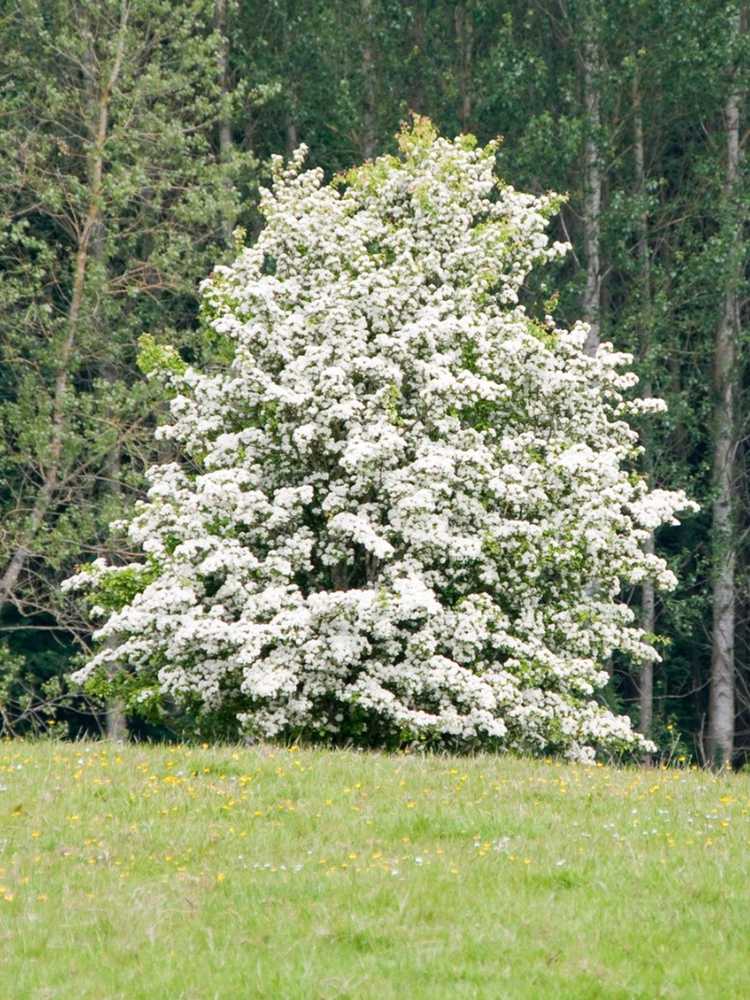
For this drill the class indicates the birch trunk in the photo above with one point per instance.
(115, 721)
(592, 182)
(368, 77)
(592, 188)
(648, 598)
(721, 710)
(225, 127)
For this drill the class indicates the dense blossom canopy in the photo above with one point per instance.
(406, 508)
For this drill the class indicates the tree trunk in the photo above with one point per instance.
(117, 726)
(648, 624)
(721, 711)
(592, 188)
(368, 78)
(648, 597)
(592, 182)
(116, 723)
(225, 127)
(292, 134)
(416, 95)
(465, 42)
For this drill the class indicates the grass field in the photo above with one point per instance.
(194, 873)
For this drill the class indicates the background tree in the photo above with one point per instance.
(115, 189)
(727, 419)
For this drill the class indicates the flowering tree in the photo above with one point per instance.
(406, 508)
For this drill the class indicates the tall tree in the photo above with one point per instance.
(592, 177)
(369, 124)
(222, 25)
(726, 419)
(464, 22)
(648, 596)
(113, 191)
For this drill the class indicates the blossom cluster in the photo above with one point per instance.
(406, 509)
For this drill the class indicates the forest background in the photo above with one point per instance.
(134, 137)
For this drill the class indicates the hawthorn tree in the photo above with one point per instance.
(406, 509)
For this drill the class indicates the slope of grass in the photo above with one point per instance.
(197, 873)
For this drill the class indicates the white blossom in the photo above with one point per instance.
(396, 495)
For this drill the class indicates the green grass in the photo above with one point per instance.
(194, 873)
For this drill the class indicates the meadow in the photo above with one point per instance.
(193, 873)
